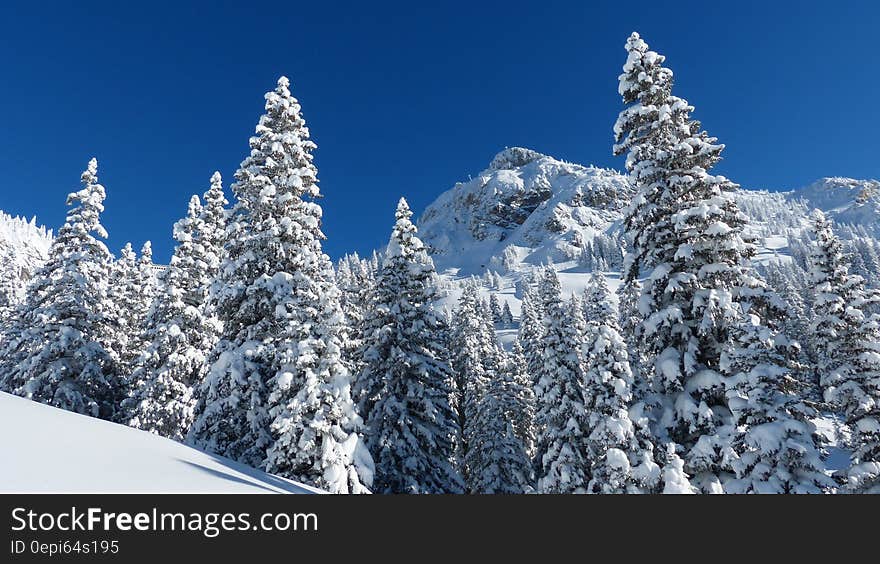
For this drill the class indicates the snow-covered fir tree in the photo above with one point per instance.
(531, 326)
(123, 325)
(212, 242)
(612, 447)
(357, 282)
(598, 308)
(498, 459)
(629, 319)
(774, 448)
(132, 288)
(470, 351)
(57, 356)
(562, 464)
(512, 402)
(148, 283)
(278, 394)
(212, 225)
(495, 308)
(523, 410)
(785, 279)
(506, 315)
(548, 288)
(847, 340)
(406, 385)
(179, 335)
(231, 414)
(686, 234)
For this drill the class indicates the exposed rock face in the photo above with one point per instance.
(523, 200)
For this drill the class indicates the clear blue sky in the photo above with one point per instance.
(407, 98)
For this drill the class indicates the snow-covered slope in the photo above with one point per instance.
(45, 449)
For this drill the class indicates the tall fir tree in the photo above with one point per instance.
(629, 318)
(212, 228)
(562, 464)
(531, 326)
(123, 326)
(686, 233)
(148, 282)
(357, 282)
(499, 462)
(58, 357)
(212, 238)
(407, 384)
(470, 351)
(523, 409)
(612, 446)
(278, 394)
(211, 244)
(484, 467)
(179, 336)
(846, 335)
(132, 300)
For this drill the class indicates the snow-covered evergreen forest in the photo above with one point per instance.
(543, 328)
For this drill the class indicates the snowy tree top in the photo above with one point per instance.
(280, 163)
(90, 175)
(403, 211)
(126, 254)
(404, 237)
(88, 203)
(147, 252)
(194, 206)
(643, 72)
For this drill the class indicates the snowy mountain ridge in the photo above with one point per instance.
(24, 246)
(846, 200)
(23, 240)
(526, 209)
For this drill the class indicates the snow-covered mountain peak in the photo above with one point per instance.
(513, 157)
(846, 200)
(836, 191)
(24, 246)
(525, 207)
(17, 231)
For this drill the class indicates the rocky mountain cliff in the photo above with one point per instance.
(526, 209)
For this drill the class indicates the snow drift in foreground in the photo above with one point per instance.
(50, 450)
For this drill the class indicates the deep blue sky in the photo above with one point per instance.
(408, 98)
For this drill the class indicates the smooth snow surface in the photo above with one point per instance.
(48, 450)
